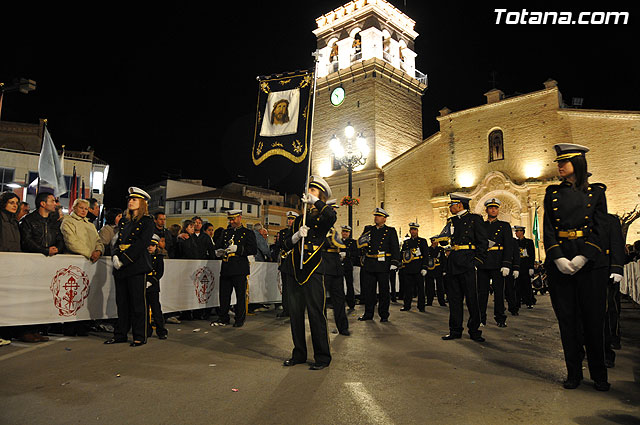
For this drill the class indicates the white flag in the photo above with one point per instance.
(49, 167)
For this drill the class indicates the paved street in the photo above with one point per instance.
(399, 372)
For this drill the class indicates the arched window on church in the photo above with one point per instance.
(356, 54)
(496, 146)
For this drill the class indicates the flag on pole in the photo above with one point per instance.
(283, 125)
(49, 168)
(73, 192)
(536, 229)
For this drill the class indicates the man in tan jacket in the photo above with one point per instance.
(80, 235)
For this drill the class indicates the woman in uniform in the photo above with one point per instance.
(575, 217)
(131, 264)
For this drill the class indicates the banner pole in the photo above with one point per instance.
(315, 55)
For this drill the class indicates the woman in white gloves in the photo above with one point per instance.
(575, 232)
(131, 264)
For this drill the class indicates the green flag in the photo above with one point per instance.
(535, 230)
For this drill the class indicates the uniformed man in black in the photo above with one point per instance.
(349, 256)
(497, 265)
(285, 265)
(524, 291)
(237, 243)
(434, 281)
(575, 238)
(415, 254)
(381, 252)
(615, 256)
(308, 291)
(468, 251)
(510, 290)
(334, 275)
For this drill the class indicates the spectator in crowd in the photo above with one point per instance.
(208, 244)
(9, 229)
(187, 247)
(59, 214)
(10, 242)
(167, 243)
(264, 253)
(108, 232)
(80, 237)
(94, 212)
(40, 230)
(23, 211)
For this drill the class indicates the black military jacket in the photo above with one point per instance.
(415, 254)
(352, 255)
(436, 261)
(284, 255)
(527, 252)
(237, 263)
(382, 243)
(575, 221)
(614, 245)
(468, 242)
(499, 255)
(320, 218)
(331, 254)
(157, 262)
(515, 256)
(134, 238)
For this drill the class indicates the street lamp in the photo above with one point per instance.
(350, 154)
(23, 85)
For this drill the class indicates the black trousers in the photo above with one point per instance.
(579, 302)
(153, 299)
(335, 287)
(227, 285)
(524, 291)
(351, 294)
(413, 282)
(460, 287)
(498, 282)
(285, 287)
(612, 319)
(372, 281)
(511, 294)
(392, 284)
(434, 284)
(131, 305)
(311, 297)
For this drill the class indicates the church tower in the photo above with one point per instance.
(366, 78)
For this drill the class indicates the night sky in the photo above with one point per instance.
(158, 90)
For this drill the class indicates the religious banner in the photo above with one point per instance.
(283, 118)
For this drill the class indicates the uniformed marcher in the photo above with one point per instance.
(131, 264)
(236, 244)
(434, 281)
(614, 249)
(308, 291)
(334, 275)
(153, 289)
(381, 253)
(575, 234)
(510, 289)
(284, 262)
(524, 291)
(497, 265)
(468, 251)
(415, 255)
(349, 256)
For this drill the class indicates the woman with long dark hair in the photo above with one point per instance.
(575, 217)
(131, 264)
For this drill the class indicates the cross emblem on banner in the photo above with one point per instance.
(71, 287)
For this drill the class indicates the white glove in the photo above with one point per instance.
(616, 277)
(308, 198)
(219, 252)
(393, 267)
(505, 271)
(516, 273)
(116, 262)
(423, 273)
(343, 255)
(301, 233)
(530, 272)
(564, 265)
(578, 262)
(231, 248)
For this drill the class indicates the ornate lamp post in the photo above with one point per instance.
(350, 153)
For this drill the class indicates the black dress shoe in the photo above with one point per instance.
(238, 324)
(451, 336)
(115, 341)
(318, 366)
(602, 385)
(136, 343)
(571, 384)
(609, 363)
(363, 318)
(345, 332)
(478, 338)
(421, 310)
(405, 309)
(291, 362)
(384, 320)
(502, 325)
(162, 337)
